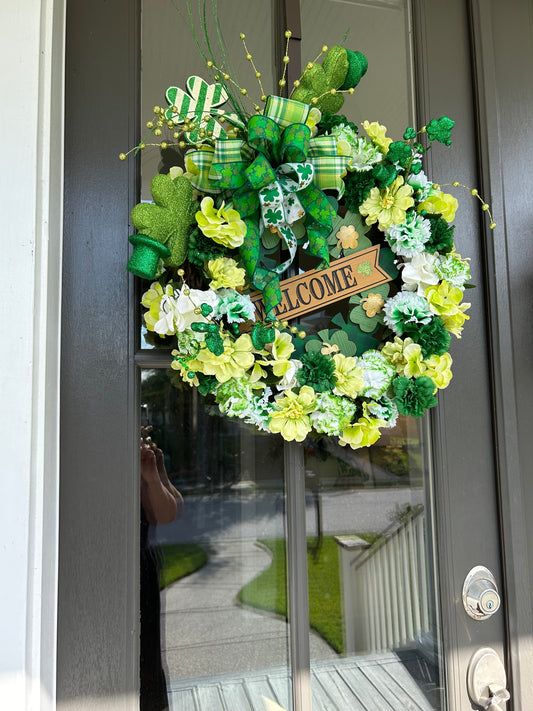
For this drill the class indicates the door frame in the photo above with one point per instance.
(98, 626)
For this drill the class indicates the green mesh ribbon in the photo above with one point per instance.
(275, 179)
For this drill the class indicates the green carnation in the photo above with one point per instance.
(332, 414)
(441, 239)
(432, 337)
(357, 188)
(329, 121)
(202, 249)
(406, 310)
(317, 372)
(414, 396)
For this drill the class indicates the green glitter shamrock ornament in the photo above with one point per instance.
(341, 69)
(170, 219)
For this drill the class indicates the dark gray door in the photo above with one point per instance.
(98, 599)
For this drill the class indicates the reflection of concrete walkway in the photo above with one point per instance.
(206, 631)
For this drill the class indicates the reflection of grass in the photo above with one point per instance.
(178, 560)
(268, 590)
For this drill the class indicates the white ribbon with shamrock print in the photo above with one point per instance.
(280, 206)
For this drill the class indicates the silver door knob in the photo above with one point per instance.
(487, 680)
(481, 598)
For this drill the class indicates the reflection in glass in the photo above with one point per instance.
(218, 625)
(370, 564)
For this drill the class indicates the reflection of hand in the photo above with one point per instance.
(149, 469)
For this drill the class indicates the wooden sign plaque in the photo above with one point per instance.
(318, 288)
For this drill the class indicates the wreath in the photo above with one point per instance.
(267, 190)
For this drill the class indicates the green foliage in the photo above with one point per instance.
(177, 560)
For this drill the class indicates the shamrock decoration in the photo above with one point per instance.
(341, 69)
(200, 101)
(348, 235)
(213, 339)
(346, 339)
(170, 219)
(367, 313)
(261, 335)
(440, 130)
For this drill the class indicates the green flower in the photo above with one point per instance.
(414, 396)
(290, 418)
(405, 356)
(454, 269)
(432, 337)
(441, 239)
(389, 205)
(223, 226)
(317, 371)
(225, 274)
(409, 237)
(362, 433)
(377, 374)
(332, 414)
(236, 307)
(406, 308)
(348, 376)
(445, 301)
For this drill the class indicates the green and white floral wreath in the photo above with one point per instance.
(258, 188)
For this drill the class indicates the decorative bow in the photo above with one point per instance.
(275, 179)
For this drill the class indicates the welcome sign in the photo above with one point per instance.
(318, 288)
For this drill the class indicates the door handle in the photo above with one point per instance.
(487, 680)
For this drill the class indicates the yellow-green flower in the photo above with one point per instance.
(388, 206)
(236, 359)
(376, 132)
(445, 301)
(406, 356)
(291, 415)
(439, 370)
(151, 300)
(440, 203)
(362, 433)
(279, 353)
(225, 274)
(223, 226)
(348, 375)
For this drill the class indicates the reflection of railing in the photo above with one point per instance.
(386, 601)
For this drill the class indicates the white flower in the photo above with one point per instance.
(289, 380)
(186, 304)
(419, 273)
(421, 183)
(167, 314)
(409, 237)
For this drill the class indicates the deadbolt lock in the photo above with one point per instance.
(481, 598)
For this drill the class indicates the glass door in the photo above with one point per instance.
(298, 577)
(345, 536)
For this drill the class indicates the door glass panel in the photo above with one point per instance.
(371, 581)
(221, 641)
